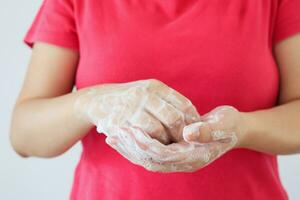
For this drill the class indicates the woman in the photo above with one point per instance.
(237, 59)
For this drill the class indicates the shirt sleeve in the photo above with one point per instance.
(287, 20)
(55, 24)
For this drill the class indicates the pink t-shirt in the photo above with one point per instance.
(215, 52)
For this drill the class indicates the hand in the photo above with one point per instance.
(219, 131)
(220, 123)
(150, 105)
(136, 145)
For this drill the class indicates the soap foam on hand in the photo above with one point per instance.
(142, 118)
(219, 124)
(148, 104)
(136, 145)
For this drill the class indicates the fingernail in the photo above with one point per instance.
(191, 132)
(191, 137)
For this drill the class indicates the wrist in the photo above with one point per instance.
(81, 100)
(245, 130)
(84, 98)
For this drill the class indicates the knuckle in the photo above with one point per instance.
(187, 103)
(191, 113)
(156, 83)
(174, 119)
(156, 131)
(161, 136)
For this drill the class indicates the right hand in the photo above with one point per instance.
(151, 105)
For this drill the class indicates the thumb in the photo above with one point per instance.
(198, 132)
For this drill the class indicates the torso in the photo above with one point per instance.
(215, 53)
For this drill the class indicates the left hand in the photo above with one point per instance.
(220, 123)
(138, 147)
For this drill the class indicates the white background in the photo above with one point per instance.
(51, 179)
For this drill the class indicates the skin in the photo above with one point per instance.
(275, 130)
(45, 99)
(159, 110)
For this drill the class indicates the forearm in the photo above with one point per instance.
(47, 127)
(275, 130)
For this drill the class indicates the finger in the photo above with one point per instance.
(187, 158)
(217, 114)
(128, 152)
(121, 149)
(125, 145)
(182, 158)
(201, 156)
(171, 168)
(183, 104)
(179, 101)
(151, 125)
(198, 132)
(171, 118)
(218, 148)
(205, 132)
(156, 150)
(172, 96)
(192, 161)
(177, 156)
(191, 115)
(140, 151)
(132, 154)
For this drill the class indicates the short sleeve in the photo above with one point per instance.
(55, 24)
(287, 20)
